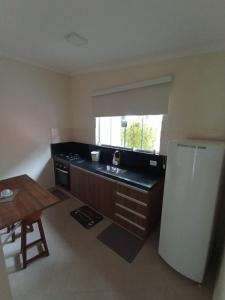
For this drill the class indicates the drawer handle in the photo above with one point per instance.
(133, 188)
(129, 221)
(60, 170)
(93, 173)
(132, 199)
(130, 210)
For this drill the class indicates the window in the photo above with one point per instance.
(134, 132)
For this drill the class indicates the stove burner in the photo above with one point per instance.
(70, 156)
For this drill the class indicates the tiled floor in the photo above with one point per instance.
(80, 267)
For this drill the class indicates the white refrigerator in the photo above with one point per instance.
(192, 183)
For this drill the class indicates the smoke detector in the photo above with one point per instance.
(75, 39)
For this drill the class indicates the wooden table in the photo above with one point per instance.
(30, 198)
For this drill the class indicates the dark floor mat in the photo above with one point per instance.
(59, 194)
(120, 241)
(86, 216)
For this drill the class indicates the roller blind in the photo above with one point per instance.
(143, 98)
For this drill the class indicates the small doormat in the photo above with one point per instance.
(59, 194)
(86, 216)
(120, 241)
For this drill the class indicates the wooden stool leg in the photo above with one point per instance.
(25, 229)
(13, 234)
(11, 230)
(42, 234)
(24, 244)
(8, 229)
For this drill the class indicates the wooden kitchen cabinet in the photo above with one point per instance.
(93, 189)
(134, 209)
(101, 194)
(79, 183)
(138, 210)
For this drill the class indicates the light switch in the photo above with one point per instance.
(153, 163)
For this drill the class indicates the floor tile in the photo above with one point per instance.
(80, 267)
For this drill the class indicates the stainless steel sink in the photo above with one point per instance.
(111, 170)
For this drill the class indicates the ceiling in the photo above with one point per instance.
(119, 32)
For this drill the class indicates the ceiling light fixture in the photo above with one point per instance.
(75, 39)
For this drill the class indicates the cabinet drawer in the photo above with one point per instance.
(141, 208)
(131, 215)
(133, 228)
(131, 193)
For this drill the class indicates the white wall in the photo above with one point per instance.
(32, 101)
(197, 103)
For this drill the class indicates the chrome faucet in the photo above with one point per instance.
(116, 158)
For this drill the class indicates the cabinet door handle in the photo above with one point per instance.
(129, 221)
(93, 173)
(130, 210)
(65, 172)
(132, 199)
(133, 187)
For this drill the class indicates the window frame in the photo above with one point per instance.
(97, 120)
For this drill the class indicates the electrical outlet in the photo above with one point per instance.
(153, 163)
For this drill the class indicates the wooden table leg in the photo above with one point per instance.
(24, 244)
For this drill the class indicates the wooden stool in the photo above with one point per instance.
(25, 226)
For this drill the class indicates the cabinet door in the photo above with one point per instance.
(101, 194)
(79, 183)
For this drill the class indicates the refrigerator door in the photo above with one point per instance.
(189, 203)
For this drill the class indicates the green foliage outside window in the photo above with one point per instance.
(134, 136)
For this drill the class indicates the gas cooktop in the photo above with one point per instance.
(70, 156)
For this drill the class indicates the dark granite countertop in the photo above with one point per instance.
(134, 178)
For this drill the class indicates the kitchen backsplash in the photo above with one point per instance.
(128, 159)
